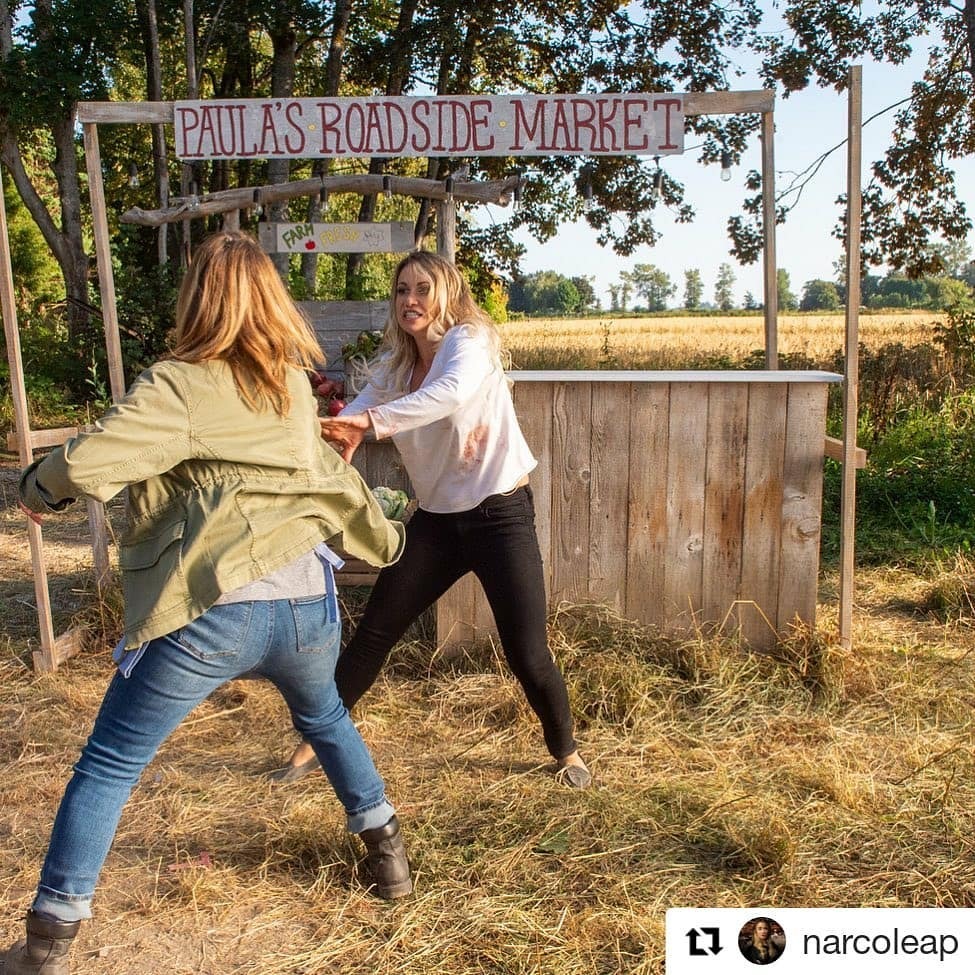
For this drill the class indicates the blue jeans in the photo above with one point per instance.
(292, 643)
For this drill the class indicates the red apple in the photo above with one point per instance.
(325, 388)
(335, 406)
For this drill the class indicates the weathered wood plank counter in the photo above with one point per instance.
(681, 499)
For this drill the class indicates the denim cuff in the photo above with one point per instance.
(371, 818)
(62, 907)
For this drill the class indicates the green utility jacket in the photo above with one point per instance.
(220, 495)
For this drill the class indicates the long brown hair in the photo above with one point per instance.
(233, 306)
(455, 305)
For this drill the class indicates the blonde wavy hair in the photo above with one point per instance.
(454, 305)
(232, 306)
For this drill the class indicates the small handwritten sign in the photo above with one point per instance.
(457, 125)
(336, 238)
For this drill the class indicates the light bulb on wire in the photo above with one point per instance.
(725, 165)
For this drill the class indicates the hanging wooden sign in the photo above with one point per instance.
(336, 238)
(458, 125)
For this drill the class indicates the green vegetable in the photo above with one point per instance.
(391, 500)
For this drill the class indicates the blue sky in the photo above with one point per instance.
(806, 124)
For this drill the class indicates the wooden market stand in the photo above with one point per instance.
(682, 499)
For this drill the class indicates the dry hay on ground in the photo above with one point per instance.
(814, 777)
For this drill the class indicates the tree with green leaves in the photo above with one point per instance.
(588, 299)
(54, 53)
(652, 284)
(819, 295)
(787, 297)
(693, 289)
(544, 293)
(723, 289)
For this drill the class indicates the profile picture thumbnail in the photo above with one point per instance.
(761, 940)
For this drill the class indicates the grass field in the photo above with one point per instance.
(676, 342)
(815, 776)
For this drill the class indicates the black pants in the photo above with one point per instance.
(497, 542)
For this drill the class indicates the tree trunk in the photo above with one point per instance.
(146, 10)
(284, 42)
(66, 242)
(399, 68)
(333, 75)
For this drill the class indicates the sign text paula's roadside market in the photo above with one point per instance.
(459, 125)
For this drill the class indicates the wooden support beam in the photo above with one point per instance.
(695, 103)
(39, 439)
(497, 191)
(67, 645)
(834, 450)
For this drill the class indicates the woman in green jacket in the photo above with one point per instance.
(226, 564)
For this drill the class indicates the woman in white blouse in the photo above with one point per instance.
(438, 389)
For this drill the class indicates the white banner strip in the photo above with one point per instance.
(446, 125)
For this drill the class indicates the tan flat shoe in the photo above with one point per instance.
(291, 773)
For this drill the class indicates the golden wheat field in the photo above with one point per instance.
(674, 342)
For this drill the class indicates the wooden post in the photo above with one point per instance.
(768, 224)
(44, 660)
(851, 372)
(103, 254)
(53, 650)
(447, 229)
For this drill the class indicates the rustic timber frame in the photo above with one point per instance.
(694, 596)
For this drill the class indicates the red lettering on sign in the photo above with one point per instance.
(295, 146)
(355, 109)
(583, 112)
(421, 145)
(561, 130)
(395, 144)
(630, 121)
(478, 121)
(268, 127)
(669, 106)
(607, 115)
(375, 140)
(187, 120)
(521, 122)
(330, 115)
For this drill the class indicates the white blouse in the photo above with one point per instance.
(457, 434)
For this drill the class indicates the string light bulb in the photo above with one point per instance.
(133, 175)
(658, 179)
(258, 204)
(516, 194)
(387, 188)
(448, 186)
(587, 200)
(725, 165)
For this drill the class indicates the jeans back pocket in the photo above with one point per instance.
(220, 632)
(316, 629)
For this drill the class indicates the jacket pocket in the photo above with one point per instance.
(152, 572)
(147, 552)
(315, 631)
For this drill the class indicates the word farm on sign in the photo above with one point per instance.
(495, 125)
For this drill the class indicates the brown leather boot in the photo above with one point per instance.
(45, 952)
(387, 862)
